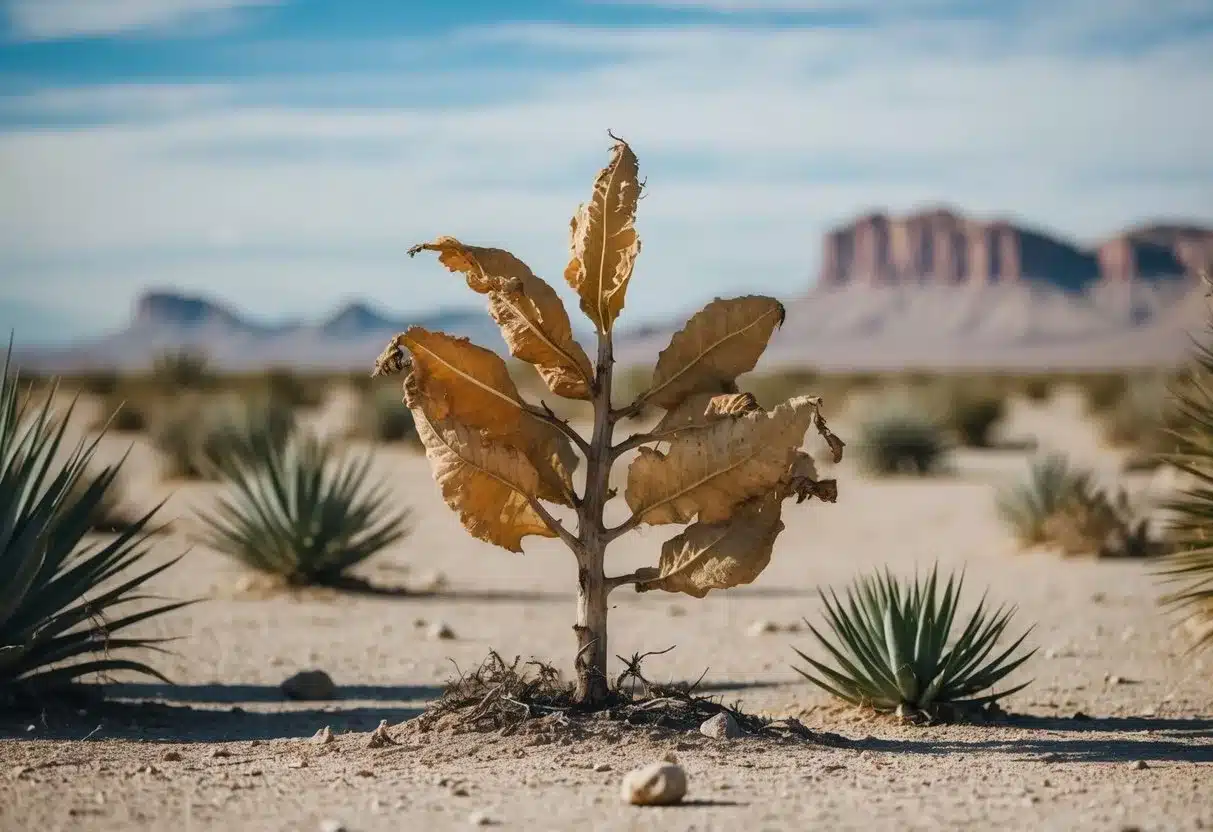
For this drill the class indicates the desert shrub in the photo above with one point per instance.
(1142, 417)
(899, 436)
(715, 457)
(1037, 389)
(99, 382)
(302, 511)
(895, 647)
(58, 595)
(381, 416)
(1061, 505)
(197, 438)
(123, 411)
(181, 369)
(292, 390)
(1102, 390)
(970, 410)
(1188, 570)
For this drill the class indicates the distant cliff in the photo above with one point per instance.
(942, 246)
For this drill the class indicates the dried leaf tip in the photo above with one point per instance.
(394, 359)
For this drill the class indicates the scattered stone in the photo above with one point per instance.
(1140, 765)
(459, 790)
(309, 685)
(480, 819)
(332, 826)
(657, 784)
(602, 767)
(440, 631)
(721, 727)
(1080, 716)
(221, 752)
(418, 623)
(380, 737)
(171, 756)
(324, 736)
(297, 764)
(762, 627)
(675, 611)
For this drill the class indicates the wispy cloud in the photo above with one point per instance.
(59, 19)
(754, 140)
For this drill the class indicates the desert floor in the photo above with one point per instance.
(223, 750)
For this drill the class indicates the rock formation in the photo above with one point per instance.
(941, 246)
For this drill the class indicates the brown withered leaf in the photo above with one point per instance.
(699, 410)
(720, 342)
(802, 481)
(709, 472)
(533, 321)
(469, 384)
(487, 483)
(836, 444)
(464, 382)
(604, 239)
(732, 404)
(707, 556)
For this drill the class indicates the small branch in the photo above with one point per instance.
(545, 414)
(555, 525)
(622, 529)
(634, 441)
(631, 410)
(632, 578)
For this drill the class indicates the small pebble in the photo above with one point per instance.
(172, 756)
(324, 736)
(1140, 765)
(332, 826)
(657, 784)
(762, 627)
(479, 819)
(602, 767)
(440, 631)
(380, 736)
(721, 727)
(675, 611)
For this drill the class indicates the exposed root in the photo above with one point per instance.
(531, 697)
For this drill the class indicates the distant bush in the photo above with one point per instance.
(199, 439)
(382, 417)
(125, 412)
(899, 436)
(181, 369)
(1037, 389)
(970, 410)
(1061, 505)
(292, 390)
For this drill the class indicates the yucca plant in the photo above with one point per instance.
(897, 437)
(58, 594)
(1062, 505)
(302, 511)
(1189, 569)
(896, 650)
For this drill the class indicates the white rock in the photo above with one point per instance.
(657, 784)
(721, 727)
(480, 819)
(332, 826)
(324, 736)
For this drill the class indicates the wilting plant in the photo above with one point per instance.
(301, 510)
(58, 593)
(727, 464)
(895, 648)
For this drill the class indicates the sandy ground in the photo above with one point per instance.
(224, 751)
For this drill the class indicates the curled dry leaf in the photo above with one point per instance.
(466, 383)
(490, 485)
(709, 472)
(720, 342)
(604, 239)
(803, 482)
(709, 556)
(533, 321)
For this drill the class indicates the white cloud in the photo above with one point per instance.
(59, 19)
(753, 140)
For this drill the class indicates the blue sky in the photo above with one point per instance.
(281, 155)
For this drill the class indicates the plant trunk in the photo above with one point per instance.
(591, 628)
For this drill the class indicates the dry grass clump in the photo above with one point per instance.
(181, 369)
(1060, 505)
(513, 697)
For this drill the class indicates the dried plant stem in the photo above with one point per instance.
(591, 627)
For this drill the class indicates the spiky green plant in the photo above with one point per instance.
(898, 436)
(302, 511)
(1189, 569)
(58, 593)
(895, 648)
